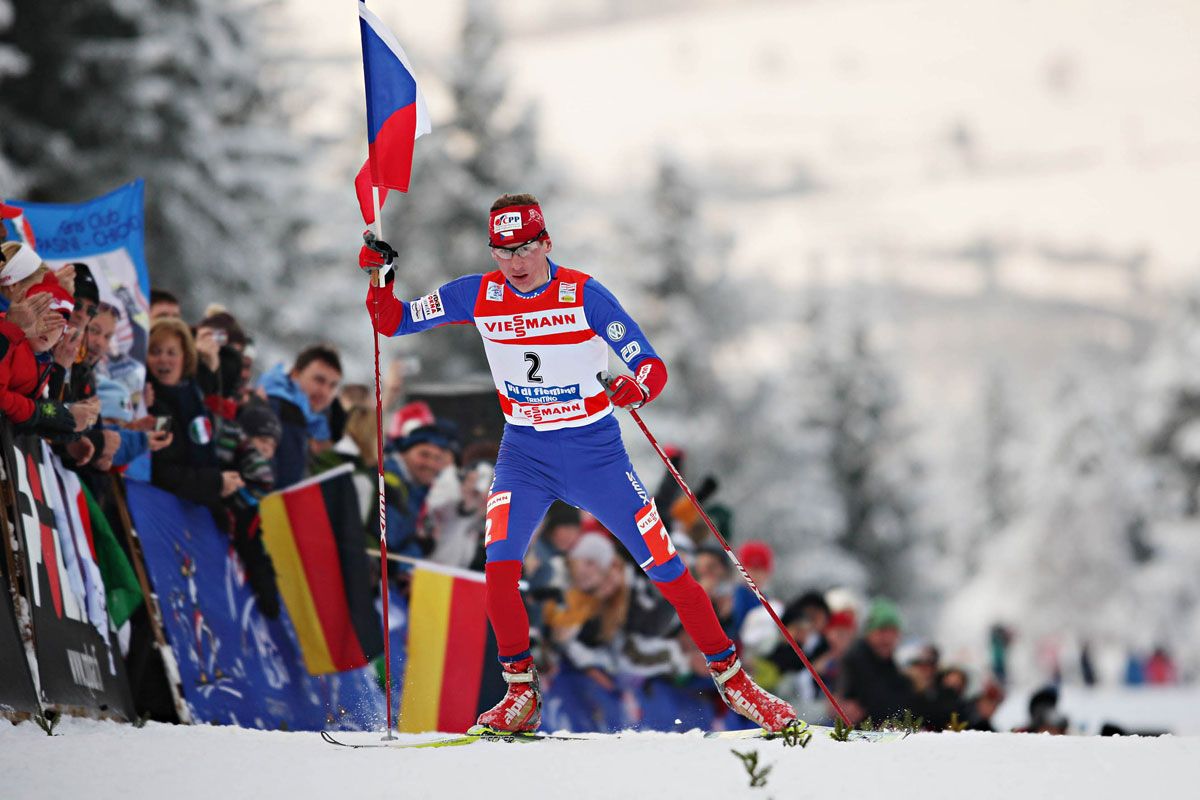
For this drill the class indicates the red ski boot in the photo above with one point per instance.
(749, 699)
(521, 708)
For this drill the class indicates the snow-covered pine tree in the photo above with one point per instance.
(872, 474)
(1066, 567)
(1168, 426)
(988, 478)
(12, 62)
(174, 92)
(694, 315)
(468, 160)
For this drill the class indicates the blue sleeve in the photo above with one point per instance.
(133, 444)
(452, 302)
(614, 325)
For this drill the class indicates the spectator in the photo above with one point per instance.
(982, 708)
(35, 324)
(116, 413)
(805, 619)
(410, 467)
(355, 395)
(300, 398)
(1160, 668)
(456, 512)
(71, 377)
(546, 561)
(247, 445)
(714, 573)
(1044, 716)
(870, 683)
(584, 628)
(839, 634)
(934, 699)
(163, 304)
(999, 640)
(220, 341)
(359, 447)
(188, 467)
(22, 268)
(759, 560)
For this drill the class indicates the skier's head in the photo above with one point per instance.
(519, 240)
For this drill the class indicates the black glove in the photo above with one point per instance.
(375, 253)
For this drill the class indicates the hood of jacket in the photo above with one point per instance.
(277, 383)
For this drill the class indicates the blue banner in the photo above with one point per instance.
(107, 235)
(236, 666)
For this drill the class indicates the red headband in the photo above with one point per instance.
(515, 225)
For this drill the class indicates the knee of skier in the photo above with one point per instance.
(667, 571)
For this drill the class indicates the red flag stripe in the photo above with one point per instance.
(317, 546)
(463, 668)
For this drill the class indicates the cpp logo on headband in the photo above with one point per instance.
(509, 221)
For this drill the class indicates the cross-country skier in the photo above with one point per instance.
(546, 330)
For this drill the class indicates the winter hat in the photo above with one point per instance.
(61, 300)
(442, 433)
(756, 555)
(882, 614)
(795, 609)
(595, 547)
(114, 400)
(408, 418)
(259, 419)
(842, 619)
(20, 265)
(85, 285)
(516, 225)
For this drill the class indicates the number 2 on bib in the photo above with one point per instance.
(535, 364)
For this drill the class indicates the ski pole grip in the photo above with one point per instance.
(605, 379)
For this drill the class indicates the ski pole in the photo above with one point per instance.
(605, 380)
(377, 280)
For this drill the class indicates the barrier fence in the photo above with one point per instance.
(72, 579)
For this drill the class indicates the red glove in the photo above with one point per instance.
(376, 253)
(627, 393)
(635, 392)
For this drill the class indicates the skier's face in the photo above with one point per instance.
(528, 268)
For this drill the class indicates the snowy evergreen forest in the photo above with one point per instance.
(983, 454)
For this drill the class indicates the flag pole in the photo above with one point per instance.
(383, 556)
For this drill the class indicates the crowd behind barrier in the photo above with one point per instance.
(176, 563)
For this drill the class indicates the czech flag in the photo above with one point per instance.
(396, 114)
(314, 534)
(452, 674)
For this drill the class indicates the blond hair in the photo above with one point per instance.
(360, 427)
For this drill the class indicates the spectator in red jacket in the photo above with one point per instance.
(34, 325)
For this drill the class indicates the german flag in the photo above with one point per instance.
(451, 670)
(314, 534)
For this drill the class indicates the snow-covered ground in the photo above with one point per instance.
(105, 760)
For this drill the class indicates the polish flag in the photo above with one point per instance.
(396, 114)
